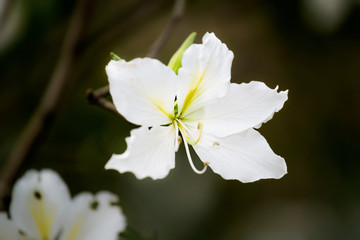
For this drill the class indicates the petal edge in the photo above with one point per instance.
(245, 156)
(149, 153)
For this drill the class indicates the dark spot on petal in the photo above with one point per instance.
(37, 195)
(94, 205)
(22, 233)
(114, 203)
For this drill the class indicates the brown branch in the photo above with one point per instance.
(97, 96)
(48, 103)
(125, 21)
(169, 29)
(4, 9)
(123, 17)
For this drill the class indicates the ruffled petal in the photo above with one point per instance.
(204, 76)
(245, 156)
(246, 105)
(143, 90)
(150, 153)
(92, 217)
(38, 200)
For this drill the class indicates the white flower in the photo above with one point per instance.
(41, 209)
(213, 115)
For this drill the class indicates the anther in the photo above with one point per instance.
(187, 139)
(179, 139)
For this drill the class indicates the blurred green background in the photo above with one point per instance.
(311, 47)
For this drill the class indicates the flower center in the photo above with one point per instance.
(188, 139)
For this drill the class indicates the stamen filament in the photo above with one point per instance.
(177, 143)
(186, 130)
(190, 159)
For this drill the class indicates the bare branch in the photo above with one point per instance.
(123, 21)
(4, 7)
(165, 35)
(48, 103)
(97, 96)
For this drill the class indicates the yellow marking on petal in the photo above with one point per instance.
(42, 220)
(160, 107)
(193, 94)
(73, 234)
(184, 133)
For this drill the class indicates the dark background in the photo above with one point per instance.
(310, 50)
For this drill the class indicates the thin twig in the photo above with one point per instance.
(169, 29)
(48, 103)
(4, 9)
(124, 22)
(97, 96)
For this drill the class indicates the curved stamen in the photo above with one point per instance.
(190, 159)
(185, 130)
(177, 142)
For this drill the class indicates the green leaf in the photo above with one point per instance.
(114, 57)
(175, 61)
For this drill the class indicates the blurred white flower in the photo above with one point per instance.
(326, 15)
(213, 115)
(41, 209)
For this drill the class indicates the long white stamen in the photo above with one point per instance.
(177, 143)
(182, 125)
(186, 132)
(190, 159)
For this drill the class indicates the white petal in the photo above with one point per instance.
(245, 156)
(247, 105)
(143, 90)
(8, 229)
(204, 76)
(38, 199)
(93, 217)
(149, 153)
